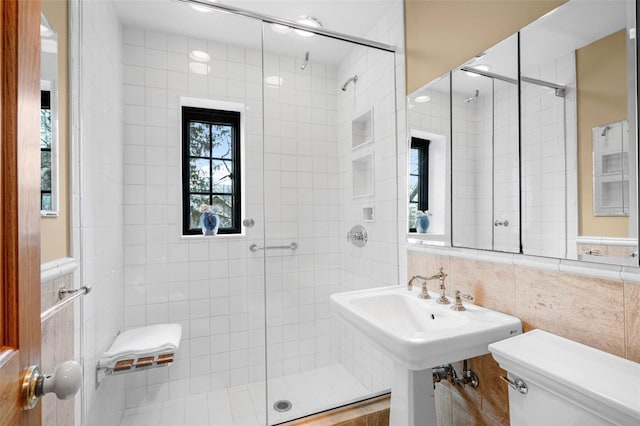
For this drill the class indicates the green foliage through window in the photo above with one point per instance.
(211, 173)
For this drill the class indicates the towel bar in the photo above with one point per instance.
(63, 302)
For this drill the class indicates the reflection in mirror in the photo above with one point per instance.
(429, 135)
(577, 98)
(485, 152)
(611, 169)
(48, 118)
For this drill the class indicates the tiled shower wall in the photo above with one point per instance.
(375, 264)
(301, 182)
(549, 144)
(213, 286)
(100, 196)
(485, 181)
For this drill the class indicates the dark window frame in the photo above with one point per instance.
(45, 103)
(213, 117)
(422, 145)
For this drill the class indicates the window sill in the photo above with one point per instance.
(213, 237)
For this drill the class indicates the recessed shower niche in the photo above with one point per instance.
(362, 129)
(362, 170)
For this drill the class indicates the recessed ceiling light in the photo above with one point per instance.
(199, 68)
(422, 99)
(309, 21)
(200, 56)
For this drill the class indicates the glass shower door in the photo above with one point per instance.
(324, 100)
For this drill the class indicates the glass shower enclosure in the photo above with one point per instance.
(317, 157)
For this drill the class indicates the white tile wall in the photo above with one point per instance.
(99, 229)
(377, 263)
(485, 169)
(549, 162)
(212, 286)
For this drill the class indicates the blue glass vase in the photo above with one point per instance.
(209, 223)
(422, 222)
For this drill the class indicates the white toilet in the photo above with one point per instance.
(557, 382)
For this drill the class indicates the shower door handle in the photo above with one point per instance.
(254, 247)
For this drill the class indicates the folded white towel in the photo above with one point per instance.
(144, 341)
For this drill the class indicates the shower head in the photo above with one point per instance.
(346, 83)
(605, 130)
(473, 98)
(306, 61)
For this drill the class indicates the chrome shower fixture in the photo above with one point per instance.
(346, 83)
(473, 98)
(605, 130)
(306, 61)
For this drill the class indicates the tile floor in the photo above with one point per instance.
(309, 392)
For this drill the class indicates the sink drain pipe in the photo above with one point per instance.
(448, 372)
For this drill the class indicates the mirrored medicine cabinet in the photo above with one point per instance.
(48, 119)
(532, 143)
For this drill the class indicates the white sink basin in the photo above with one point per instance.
(421, 334)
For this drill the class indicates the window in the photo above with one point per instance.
(45, 150)
(210, 168)
(418, 179)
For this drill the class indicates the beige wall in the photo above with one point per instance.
(55, 230)
(442, 34)
(601, 75)
(600, 313)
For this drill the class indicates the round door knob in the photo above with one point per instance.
(64, 382)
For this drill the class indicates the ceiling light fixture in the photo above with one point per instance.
(422, 99)
(309, 21)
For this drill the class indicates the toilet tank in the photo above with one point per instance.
(568, 383)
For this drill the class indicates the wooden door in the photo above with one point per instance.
(19, 204)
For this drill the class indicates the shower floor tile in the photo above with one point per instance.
(309, 392)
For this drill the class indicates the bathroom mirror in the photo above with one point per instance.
(548, 186)
(429, 124)
(48, 119)
(579, 133)
(485, 150)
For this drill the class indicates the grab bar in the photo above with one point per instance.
(61, 293)
(254, 247)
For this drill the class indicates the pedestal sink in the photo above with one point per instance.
(418, 335)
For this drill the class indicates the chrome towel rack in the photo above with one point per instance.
(293, 246)
(75, 293)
